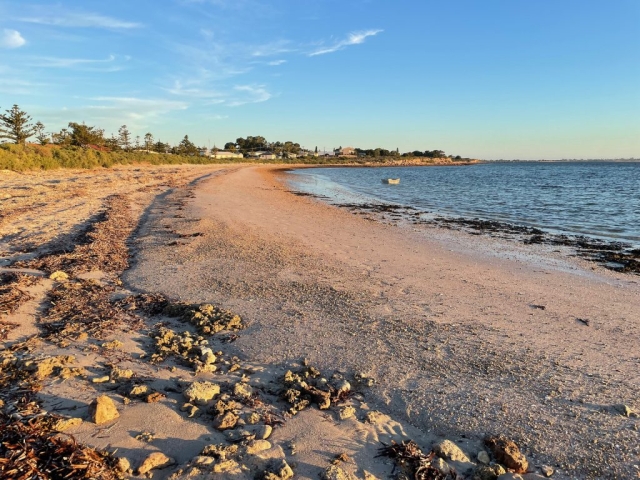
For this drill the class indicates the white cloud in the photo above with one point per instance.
(82, 20)
(354, 38)
(275, 63)
(248, 94)
(85, 63)
(11, 39)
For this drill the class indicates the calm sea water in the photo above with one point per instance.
(599, 199)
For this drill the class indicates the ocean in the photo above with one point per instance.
(596, 198)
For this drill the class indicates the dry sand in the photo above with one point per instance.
(445, 323)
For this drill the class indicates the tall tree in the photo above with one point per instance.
(15, 126)
(83, 135)
(124, 137)
(187, 147)
(148, 141)
(41, 136)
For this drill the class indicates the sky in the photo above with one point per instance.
(490, 79)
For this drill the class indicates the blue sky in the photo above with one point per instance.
(487, 79)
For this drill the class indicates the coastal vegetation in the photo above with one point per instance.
(83, 146)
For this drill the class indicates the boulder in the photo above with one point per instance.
(103, 410)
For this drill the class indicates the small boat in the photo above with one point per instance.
(391, 181)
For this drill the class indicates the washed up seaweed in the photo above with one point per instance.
(33, 450)
(12, 295)
(102, 246)
(408, 456)
(83, 306)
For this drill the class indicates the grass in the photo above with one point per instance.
(22, 158)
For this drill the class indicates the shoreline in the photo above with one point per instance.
(353, 296)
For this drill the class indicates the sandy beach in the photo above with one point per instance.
(441, 335)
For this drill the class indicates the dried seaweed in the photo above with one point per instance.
(83, 306)
(102, 248)
(12, 296)
(410, 458)
(32, 450)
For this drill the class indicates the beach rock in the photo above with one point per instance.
(119, 374)
(103, 379)
(154, 397)
(123, 464)
(66, 423)
(155, 460)
(252, 418)
(203, 460)
(347, 412)
(440, 465)
(258, 446)
(139, 391)
(364, 380)
(59, 276)
(372, 417)
(334, 472)
(220, 451)
(532, 476)
(547, 470)
(507, 453)
(201, 392)
(369, 476)
(262, 432)
(226, 466)
(45, 367)
(319, 397)
(243, 390)
(483, 457)
(450, 451)
(342, 386)
(489, 472)
(103, 410)
(113, 345)
(225, 421)
(278, 470)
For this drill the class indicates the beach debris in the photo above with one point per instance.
(225, 421)
(347, 412)
(146, 437)
(220, 451)
(201, 393)
(123, 464)
(66, 423)
(12, 295)
(242, 390)
(334, 472)
(187, 348)
(155, 460)
(448, 450)
(414, 463)
(120, 374)
(538, 307)
(113, 345)
(278, 470)
(103, 410)
(59, 276)
(44, 367)
(507, 453)
(364, 380)
(372, 417)
(33, 449)
(584, 321)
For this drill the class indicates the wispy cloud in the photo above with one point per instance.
(103, 65)
(275, 63)
(245, 94)
(354, 38)
(82, 20)
(11, 39)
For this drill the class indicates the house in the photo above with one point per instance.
(346, 152)
(225, 154)
(267, 156)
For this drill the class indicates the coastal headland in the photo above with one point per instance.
(222, 325)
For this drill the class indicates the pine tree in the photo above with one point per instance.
(15, 126)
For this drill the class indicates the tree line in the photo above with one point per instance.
(16, 127)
